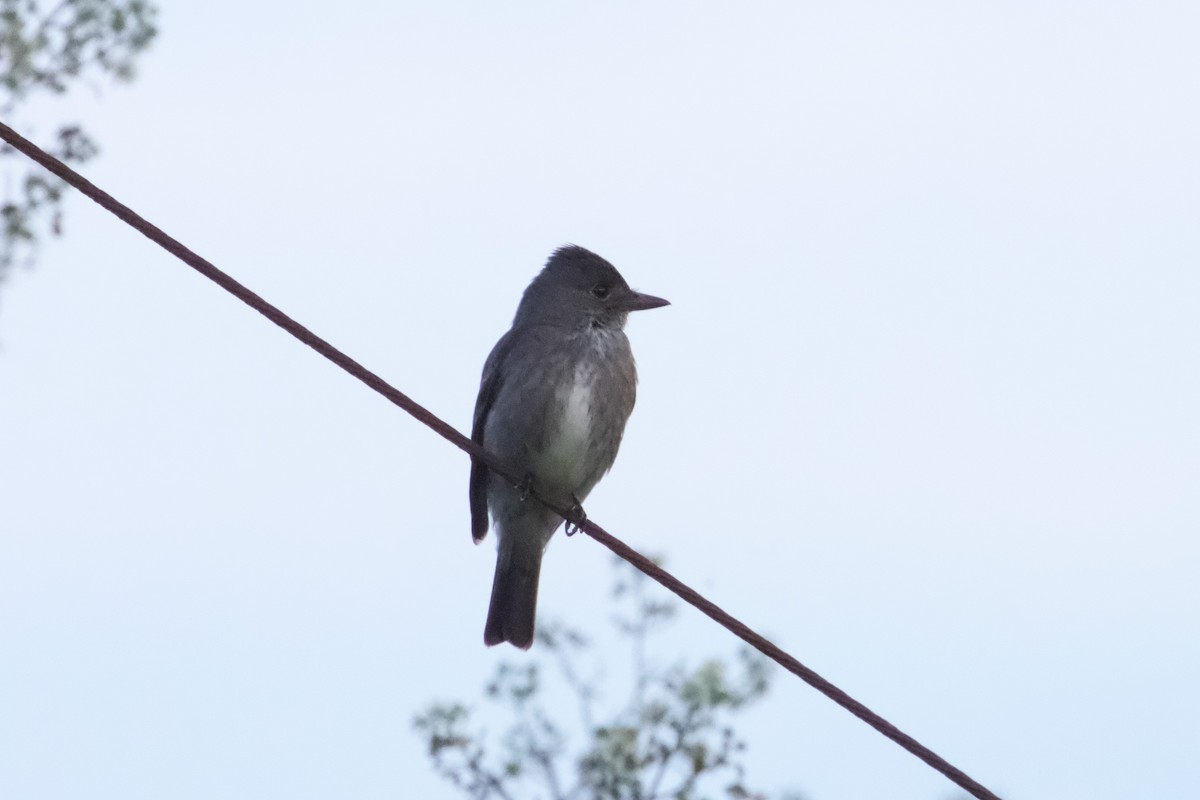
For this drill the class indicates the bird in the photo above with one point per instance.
(554, 397)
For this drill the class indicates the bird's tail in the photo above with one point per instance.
(514, 593)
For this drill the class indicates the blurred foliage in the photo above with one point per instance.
(48, 48)
(672, 738)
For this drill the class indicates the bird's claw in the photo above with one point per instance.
(525, 487)
(576, 519)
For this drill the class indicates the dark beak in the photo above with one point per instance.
(636, 301)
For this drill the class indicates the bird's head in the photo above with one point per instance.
(577, 286)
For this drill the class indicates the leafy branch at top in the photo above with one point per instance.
(48, 50)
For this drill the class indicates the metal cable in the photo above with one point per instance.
(685, 592)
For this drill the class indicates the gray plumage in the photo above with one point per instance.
(556, 392)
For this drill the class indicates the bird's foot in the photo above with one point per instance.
(525, 487)
(576, 518)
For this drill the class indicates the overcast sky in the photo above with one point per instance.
(924, 408)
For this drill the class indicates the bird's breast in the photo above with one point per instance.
(567, 461)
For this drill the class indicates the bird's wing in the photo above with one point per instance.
(489, 388)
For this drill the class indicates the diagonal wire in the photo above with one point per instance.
(685, 592)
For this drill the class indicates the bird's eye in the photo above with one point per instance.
(600, 291)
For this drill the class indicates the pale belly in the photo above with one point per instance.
(566, 463)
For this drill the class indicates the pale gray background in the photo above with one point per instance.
(924, 408)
